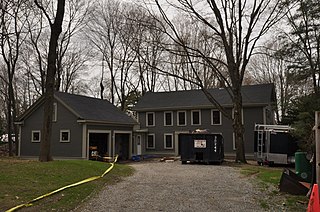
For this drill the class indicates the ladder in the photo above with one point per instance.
(260, 144)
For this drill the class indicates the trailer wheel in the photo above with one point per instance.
(270, 163)
(183, 162)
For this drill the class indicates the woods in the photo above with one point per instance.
(118, 51)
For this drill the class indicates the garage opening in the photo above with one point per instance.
(122, 141)
(98, 145)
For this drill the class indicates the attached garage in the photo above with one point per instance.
(94, 128)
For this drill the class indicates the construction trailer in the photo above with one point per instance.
(201, 148)
(273, 144)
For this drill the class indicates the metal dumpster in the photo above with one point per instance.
(204, 148)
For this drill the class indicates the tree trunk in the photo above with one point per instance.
(9, 120)
(237, 125)
(56, 29)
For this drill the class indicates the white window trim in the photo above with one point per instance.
(154, 119)
(199, 117)
(154, 141)
(234, 142)
(242, 117)
(55, 110)
(212, 117)
(35, 131)
(185, 117)
(164, 118)
(62, 131)
(164, 140)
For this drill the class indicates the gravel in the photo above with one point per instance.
(161, 186)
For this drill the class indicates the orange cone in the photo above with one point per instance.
(314, 205)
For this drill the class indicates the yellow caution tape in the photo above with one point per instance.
(30, 203)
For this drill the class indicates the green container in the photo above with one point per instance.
(303, 166)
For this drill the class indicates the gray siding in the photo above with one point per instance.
(65, 121)
(251, 116)
(108, 127)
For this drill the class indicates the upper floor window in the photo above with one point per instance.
(150, 119)
(168, 141)
(54, 115)
(150, 141)
(182, 118)
(216, 117)
(195, 117)
(168, 118)
(64, 136)
(35, 136)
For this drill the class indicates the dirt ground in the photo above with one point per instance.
(170, 186)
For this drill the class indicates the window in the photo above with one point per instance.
(150, 141)
(215, 117)
(150, 119)
(195, 117)
(54, 115)
(168, 141)
(182, 118)
(168, 119)
(64, 136)
(35, 136)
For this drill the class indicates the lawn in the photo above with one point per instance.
(22, 181)
(268, 179)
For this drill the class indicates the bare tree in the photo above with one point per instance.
(56, 29)
(147, 44)
(103, 33)
(116, 33)
(237, 26)
(197, 36)
(13, 17)
(270, 67)
(36, 50)
(71, 54)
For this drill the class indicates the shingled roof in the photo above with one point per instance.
(252, 95)
(87, 109)
(93, 109)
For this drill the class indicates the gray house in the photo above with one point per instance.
(83, 127)
(163, 115)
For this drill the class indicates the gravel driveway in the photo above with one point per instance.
(157, 186)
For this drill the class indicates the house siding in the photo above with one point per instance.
(65, 121)
(251, 116)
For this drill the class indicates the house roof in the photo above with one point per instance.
(89, 109)
(252, 95)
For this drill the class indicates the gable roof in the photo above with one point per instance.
(88, 109)
(252, 95)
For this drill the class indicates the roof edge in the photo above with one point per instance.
(67, 106)
(199, 107)
(86, 121)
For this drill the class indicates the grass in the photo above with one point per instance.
(268, 178)
(22, 181)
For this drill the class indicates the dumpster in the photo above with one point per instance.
(203, 148)
(303, 166)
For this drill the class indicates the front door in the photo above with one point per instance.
(139, 152)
